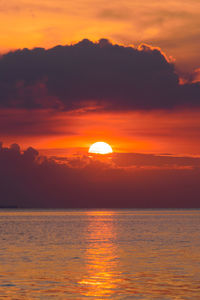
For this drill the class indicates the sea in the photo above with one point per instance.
(99, 254)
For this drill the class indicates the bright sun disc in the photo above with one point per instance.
(100, 148)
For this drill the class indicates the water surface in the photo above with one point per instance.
(112, 254)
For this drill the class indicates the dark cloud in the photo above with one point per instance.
(28, 180)
(140, 160)
(87, 73)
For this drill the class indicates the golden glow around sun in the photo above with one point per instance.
(100, 148)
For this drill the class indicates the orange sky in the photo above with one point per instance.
(171, 25)
(175, 132)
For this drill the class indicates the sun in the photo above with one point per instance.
(100, 148)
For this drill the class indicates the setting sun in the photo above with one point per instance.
(100, 148)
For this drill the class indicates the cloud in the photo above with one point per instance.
(95, 75)
(28, 180)
(140, 160)
(33, 123)
(115, 14)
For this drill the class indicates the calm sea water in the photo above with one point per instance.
(113, 254)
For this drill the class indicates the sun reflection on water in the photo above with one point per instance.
(102, 276)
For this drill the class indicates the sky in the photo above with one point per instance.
(73, 73)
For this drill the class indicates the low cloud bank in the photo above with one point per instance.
(138, 181)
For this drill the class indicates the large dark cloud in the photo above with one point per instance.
(70, 77)
(27, 180)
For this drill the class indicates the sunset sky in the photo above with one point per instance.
(76, 72)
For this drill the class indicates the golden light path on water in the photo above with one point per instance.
(102, 276)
